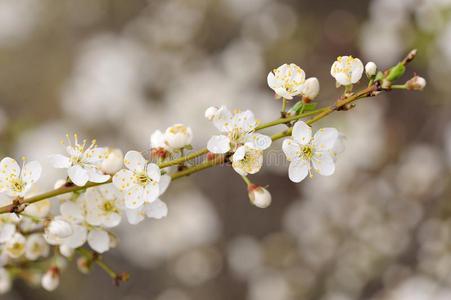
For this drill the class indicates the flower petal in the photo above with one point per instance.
(96, 176)
(96, 155)
(31, 172)
(302, 133)
(298, 170)
(259, 141)
(153, 171)
(135, 216)
(134, 161)
(323, 163)
(134, 197)
(291, 149)
(151, 192)
(124, 179)
(78, 237)
(164, 182)
(218, 144)
(325, 139)
(59, 161)
(8, 167)
(239, 154)
(157, 209)
(78, 175)
(99, 240)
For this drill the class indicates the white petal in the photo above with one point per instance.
(298, 170)
(342, 79)
(135, 216)
(96, 155)
(7, 231)
(59, 161)
(325, 139)
(291, 149)
(124, 180)
(239, 154)
(271, 80)
(8, 167)
(164, 182)
(151, 192)
(302, 133)
(323, 163)
(78, 237)
(134, 161)
(134, 197)
(99, 240)
(222, 119)
(157, 209)
(259, 141)
(78, 175)
(357, 70)
(31, 172)
(112, 220)
(157, 140)
(153, 171)
(218, 144)
(72, 211)
(244, 120)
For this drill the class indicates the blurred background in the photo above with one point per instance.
(116, 70)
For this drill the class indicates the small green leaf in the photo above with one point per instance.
(396, 72)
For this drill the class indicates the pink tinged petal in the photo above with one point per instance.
(259, 141)
(99, 240)
(134, 197)
(59, 161)
(218, 144)
(112, 220)
(157, 209)
(78, 175)
(135, 216)
(31, 172)
(302, 133)
(96, 176)
(239, 154)
(8, 167)
(323, 163)
(153, 171)
(325, 139)
(124, 180)
(151, 192)
(164, 182)
(291, 149)
(78, 237)
(298, 170)
(134, 161)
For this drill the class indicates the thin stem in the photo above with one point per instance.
(284, 105)
(246, 180)
(93, 257)
(210, 163)
(289, 119)
(399, 87)
(184, 158)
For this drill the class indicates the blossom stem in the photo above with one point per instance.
(288, 119)
(199, 167)
(95, 258)
(284, 105)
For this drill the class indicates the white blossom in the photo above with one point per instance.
(287, 80)
(311, 88)
(36, 247)
(82, 164)
(58, 228)
(139, 181)
(178, 136)
(303, 151)
(16, 182)
(238, 128)
(103, 206)
(347, 70)
(247, 160)
(210, 112)
(51, 279)
(113, 161)
(15, 247)
(7, 231)
(259, 196)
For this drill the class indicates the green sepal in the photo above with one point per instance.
(396, 72)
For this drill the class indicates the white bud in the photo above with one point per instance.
(259, 196)
(66, 251)
(178, 136)
(211, 112)
(113, 162)
(51, 279)
(370, 69)
(311, 88)
(417, 83)
(59, 228)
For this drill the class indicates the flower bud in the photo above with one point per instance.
(210, 113)
(416, 83)
(259, 196)
(370, 69)
(66, 251)
(59, 228)
(51, 279)
(84, 264)
(178, 136)
(113, 162)
(311, 88)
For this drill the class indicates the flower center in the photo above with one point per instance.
(108, 206)
(17, 185)
(307, 152)
(142, 179)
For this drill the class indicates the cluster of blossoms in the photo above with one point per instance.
(103, 186)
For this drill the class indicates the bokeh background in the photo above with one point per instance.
(379, 229)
